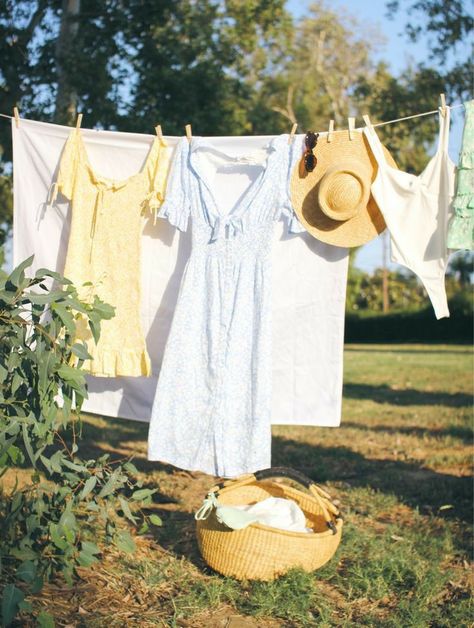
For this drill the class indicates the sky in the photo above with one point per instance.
(397, 52)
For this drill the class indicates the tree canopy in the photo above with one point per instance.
(226, 66)
(446, 26)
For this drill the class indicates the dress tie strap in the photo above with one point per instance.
(152, 203)
(227, 228)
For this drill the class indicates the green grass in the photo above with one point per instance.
(400, 465)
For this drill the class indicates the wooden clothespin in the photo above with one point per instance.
(189, 133)
(78, 121)
(158, 131)
(294, 128)
(16, 113)
(351, 122)
(330, 130)
(442, 100)
(367, 121)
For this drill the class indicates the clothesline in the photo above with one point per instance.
(416, 115)
(283, 280)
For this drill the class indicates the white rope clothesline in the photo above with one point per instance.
(416, 115)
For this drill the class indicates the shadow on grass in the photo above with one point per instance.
(178, 536)
(120, 438)
(411, 483)
(406, 397)
(455, 431)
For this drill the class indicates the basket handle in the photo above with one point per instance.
(323, 498)
(300, 478)
(284, 472)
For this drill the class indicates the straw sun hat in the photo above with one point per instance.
(334, 202)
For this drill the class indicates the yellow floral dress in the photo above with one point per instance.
(103, 255)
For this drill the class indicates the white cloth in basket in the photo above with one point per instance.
(275, 512)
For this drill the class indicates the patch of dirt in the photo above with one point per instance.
(12, 476)
(226, 617)
(399, 514)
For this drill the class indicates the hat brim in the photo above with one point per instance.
(367, 223)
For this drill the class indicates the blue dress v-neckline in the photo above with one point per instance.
(248, 196)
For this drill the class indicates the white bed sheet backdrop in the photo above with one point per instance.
(309, 278)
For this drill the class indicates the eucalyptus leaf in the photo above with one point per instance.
(81, 351)
(143, 493)
(112, 483)
(68, 520)
(155, 520)
(94, 506)
(18, 274)
(56, 537)
(27, 442)
(44, 272)
(36, 585)
(45, 620)
(23, 553)
(88, 486)
(74, 466)
(15, 454)
(45, 370)
(48, 297)
(25, 606)
(65, 315)
(17, 381)
(70, 374)
(95, 329)
(26, 571)
(46, 463)
(144, 528)
(72, 478)
(124, 541)
(85, 559)
(56, 461)
(89, 547)
(126, 510)
(11, 599)
(130, 468)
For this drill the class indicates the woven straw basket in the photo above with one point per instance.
(259, 552)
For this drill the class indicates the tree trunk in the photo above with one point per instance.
(66, 98)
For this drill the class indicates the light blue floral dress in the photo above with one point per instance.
(213, 400)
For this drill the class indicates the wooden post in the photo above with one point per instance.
(385, 299)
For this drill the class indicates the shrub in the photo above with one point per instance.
(51, 524)
(418, 326)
